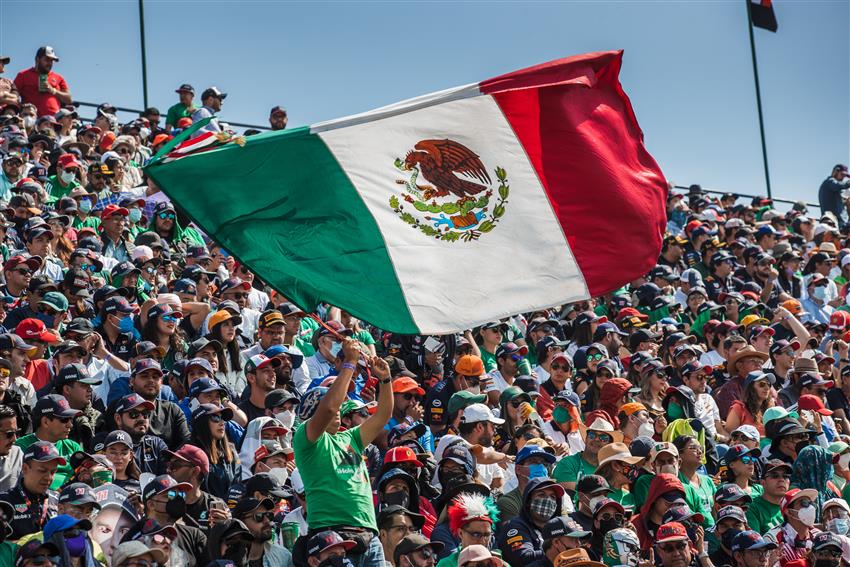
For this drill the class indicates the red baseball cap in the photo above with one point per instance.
(406, 384)
(35, 329)
(806, 402)
(671, 531)
(68, 160)
(33, 262)
(192, 455)
(110, 210)
(795, 494)
(401, 455)
(838, 321)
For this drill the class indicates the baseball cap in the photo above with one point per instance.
(593, 484)
(462, 399)
(469, 365)
(163, 483)
(54, 405)
(265, 483)
(731, 511)
(728, 493)
(563, 526)
(75, 372)
(213, 91)
(34, 548)
(751, 540)
(43, 452)
(277, 398)
(671, 531)
(401, 455)
(144, 364)
(325, 540)
(826, 539)
(193, 455)
(78, 494)
(406, 384)
(479, 412)
(133, 401)
(259, 361)
(813, 403)
(414, 542)
(205, 386)
(35, 330)
(795, 494)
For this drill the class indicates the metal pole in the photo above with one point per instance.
(758, 98)
(144, 54)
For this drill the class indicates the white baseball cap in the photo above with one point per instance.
(479, 412)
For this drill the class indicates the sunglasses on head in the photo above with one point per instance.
(165, 215)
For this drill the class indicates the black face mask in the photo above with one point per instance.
(400, 498)
(175, 508)
(801, 445)
(826, 563)
(606, 526)
(336, 561)
(449, 478)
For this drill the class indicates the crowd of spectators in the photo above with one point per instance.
(160, 405)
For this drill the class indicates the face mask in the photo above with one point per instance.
(610, 524)
(669, 469)
(29, 121)
(336, 561)
(679, 217)
(125, 324)
(807, 515)
(646, 429)
(819, 292)
(287, 418)
(135, 215)
(175, 508)
(67, 177)
(675, 411)
(85, 206)
(826, 563)
(838, 526)
(76, 545)
(561, 414)
(544, 507)
(400, 498)
(537, 471)
(844, 460)
(281, 474)
(800, 446)
(449, 478)
(99, 478)
(48, 320)
(144, 133)
(335, 348)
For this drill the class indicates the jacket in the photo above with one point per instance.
(169, 423)
(519, 539)
(31, 510)
(661, 484)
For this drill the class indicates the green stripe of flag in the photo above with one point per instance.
(303, 230)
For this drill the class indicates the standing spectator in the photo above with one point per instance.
(182, 109)
(831, 192)
(40, 86)
(212, 99)
(8, 90)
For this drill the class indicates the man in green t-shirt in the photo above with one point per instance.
(336, 481)
(571, 469)
(182, 109)
(764, 513)
(53, 419)
(65, 180)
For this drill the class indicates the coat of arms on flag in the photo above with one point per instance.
(456, 176)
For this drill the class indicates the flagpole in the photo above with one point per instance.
(144, 54)
(758, 97)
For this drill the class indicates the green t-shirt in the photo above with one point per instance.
(8, 550)
(703, 496)
(763, 516)
(449, 560)
(177, 112)
(56, 190)
(624, 497)
(66, 448)
(88, 222)
(364, 337)
(336, 480)
(572, 468)
(488, 359)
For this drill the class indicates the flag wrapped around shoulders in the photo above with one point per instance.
(445, 211)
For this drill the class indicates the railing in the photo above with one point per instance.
(136, 112)
(745, 196)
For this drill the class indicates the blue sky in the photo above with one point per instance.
(687, 66)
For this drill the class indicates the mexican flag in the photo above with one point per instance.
(439, 213)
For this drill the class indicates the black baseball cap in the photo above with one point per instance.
(563, 526)
(266, 484)
(277, 398)
(78, 494)
(163, 483)
(248, 505)
(593, 484)
(54, 405)
(389, 511)
(75, 372)
(185, 87)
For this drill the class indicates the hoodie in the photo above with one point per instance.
(519, 539)
(609, 401)
(661, 484)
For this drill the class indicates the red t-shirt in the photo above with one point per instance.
(27, 83)
(38, 372)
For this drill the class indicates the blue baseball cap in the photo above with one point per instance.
(64, 522)
(534, 451)
(759, 375)
(278, 350)
(202, 362)
(749, 540)
(569, 397)
(185, 285)
(205, 386)
(460, 454)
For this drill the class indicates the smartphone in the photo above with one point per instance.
(42, 83)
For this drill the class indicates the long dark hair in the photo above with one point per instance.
(232, 349)
(176, 342)
(218, 450)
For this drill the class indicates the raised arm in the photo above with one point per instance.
(374, 425)
(329, 405)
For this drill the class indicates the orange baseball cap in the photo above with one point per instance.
(470, 365)
(793, 306)
(406, 384)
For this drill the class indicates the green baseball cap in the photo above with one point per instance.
(349, 406)
(464, 398)
(838, 447)
(55, 300)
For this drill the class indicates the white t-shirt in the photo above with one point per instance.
(707, 412)
(712, 358)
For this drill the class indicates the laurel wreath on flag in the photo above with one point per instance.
(487, 223)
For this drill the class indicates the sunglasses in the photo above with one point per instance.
(408, 396)
(426, 553)
(671, 547)
(831, 553)
(40, 560)
(805, 502)
(64, 420)
(172, 494)
(23, 272)
(747, 459)
(135, 414)
(560, 367)
(516, 357)
(611, 515)
(169, 318)
(239, 295)
(9, 434)
(260, 516)
(597, 356)
(604, 437)
(88, 267)
(164, 216)
(216, 418)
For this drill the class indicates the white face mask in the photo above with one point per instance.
(29, 121)
(67, 177)
(844, 460)
(646, 429)
(279, 473)
(144, 133)
(819, 292)
(287, 418)
(669, 469)
(807, 515)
